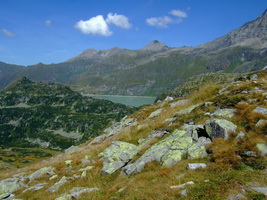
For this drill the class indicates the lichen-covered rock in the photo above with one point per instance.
(260, 110)
(76, 192)
(36, 187)
(168, 152)
(117, 155)
(227, 113)
(188, 110)
(10, 185)
(262, 148)
(39, 173)
(57, 185)
(155, 114)
(219, 128)
(181, 102)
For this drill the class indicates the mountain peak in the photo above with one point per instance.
(155, 45)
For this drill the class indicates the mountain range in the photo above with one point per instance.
(155, 68)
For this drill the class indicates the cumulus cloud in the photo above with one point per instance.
(48, 22)
(95, 25)
(162, 22)
(8, 33)
(178, 13)
(118, 20)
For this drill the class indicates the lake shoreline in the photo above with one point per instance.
(110, 95)
(135, 101)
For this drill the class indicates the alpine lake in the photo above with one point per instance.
(135, 101)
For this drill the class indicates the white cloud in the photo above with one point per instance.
(8, 33)
(118, 20)
(178, 13)
(95, 25)
(162, 22)
(48, 22)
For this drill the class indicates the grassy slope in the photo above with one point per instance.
(228, 171)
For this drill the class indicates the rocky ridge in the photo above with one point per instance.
(211, 141)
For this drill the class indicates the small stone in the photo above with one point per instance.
(53, 177)
(57, 185)
(240, 135)
(84, 174)
(184, 192)
(261, 122)
(86, 168)
(168, 98)
(194, 166)
(182, 185)
(251, 154)
(262, 190)
(68, 162)
(181, 102)
(36, 187)
(155, 114)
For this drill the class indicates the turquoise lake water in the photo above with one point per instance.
(135, 101)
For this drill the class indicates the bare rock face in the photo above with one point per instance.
(253, 33)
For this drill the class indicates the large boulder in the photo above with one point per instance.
(168, 152)
(117, 155)
(219, 128)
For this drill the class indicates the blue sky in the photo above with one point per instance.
(52, 31)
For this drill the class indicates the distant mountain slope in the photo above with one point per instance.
(156, 67)
(52, 116)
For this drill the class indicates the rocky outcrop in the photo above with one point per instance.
(116, 156)
(168, 152)
(219, 128)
